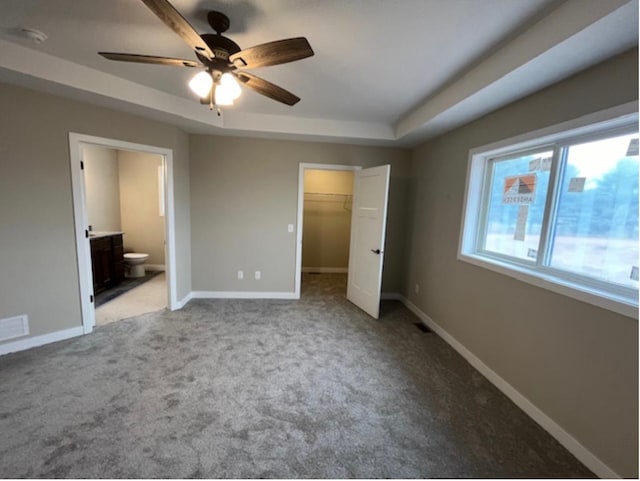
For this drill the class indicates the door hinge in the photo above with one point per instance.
(81, 165)
(91, 298)
(86, 233)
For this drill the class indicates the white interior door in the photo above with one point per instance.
(368, 226)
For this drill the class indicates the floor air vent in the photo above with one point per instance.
(422, 327)
(12, 327)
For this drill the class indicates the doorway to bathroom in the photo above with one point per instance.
(124, 228)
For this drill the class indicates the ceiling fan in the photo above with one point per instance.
(223, 60)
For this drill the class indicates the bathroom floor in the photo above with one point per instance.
(148, 297)
(127, 284)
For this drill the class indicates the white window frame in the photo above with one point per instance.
(602, 294)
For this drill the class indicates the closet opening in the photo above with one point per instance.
(327, 205)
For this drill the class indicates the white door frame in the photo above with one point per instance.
(303, 167)
(83, 248)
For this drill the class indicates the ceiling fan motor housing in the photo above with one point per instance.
(219, 21)
(222, 46)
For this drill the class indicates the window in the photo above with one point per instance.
(560, 211)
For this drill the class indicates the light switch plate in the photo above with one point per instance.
(290, 227)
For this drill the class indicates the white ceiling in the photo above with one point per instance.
(392, 72)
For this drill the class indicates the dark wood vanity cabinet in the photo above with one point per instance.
(107, 260)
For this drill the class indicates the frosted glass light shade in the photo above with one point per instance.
(201, 84)
(227, 90)
(230, 85)
(221, 96)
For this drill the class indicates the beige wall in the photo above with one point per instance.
(182, 212)
(39, 273)
(102, 186)
(244, 194)
(576, 362)
(327, 219)
(139, 202)
(328, 181)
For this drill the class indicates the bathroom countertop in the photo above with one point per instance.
(96, 234)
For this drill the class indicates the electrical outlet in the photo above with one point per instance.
(240, 275)
(417, 288)
(257, 275)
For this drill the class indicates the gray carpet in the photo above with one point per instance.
(264, 388)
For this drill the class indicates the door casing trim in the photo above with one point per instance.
(83, 250)
(300, 218)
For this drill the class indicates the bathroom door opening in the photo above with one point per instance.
(144, 196)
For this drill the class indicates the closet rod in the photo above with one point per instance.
(326, 193)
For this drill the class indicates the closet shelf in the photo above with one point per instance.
(330, 197)
(328, 193)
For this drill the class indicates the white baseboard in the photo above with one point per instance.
(154, 267)
(326, 270)
(242, 295)
(183, 302)
(36, 341)
(585, 456)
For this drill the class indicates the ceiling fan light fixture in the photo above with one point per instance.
(201, 84)
(230, 85)
(221, 96)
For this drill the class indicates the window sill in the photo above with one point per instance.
(604, 300)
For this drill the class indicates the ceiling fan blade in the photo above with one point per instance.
(176, 22)
(272, 53)
(130, 57)
(266, 88)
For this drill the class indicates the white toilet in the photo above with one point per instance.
(135, 264)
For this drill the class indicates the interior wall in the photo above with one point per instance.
(576, 362)
(142, 224)
(326, 220)
(244, 194)
(102, 188)
(182, 212)
(38, 254)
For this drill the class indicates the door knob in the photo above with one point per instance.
(376, 251)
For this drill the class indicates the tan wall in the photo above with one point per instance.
(576, 362)
(327, 219)
(139, 201)
(328, 181)
(102, 188)
(39, 273)
(244, 194)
